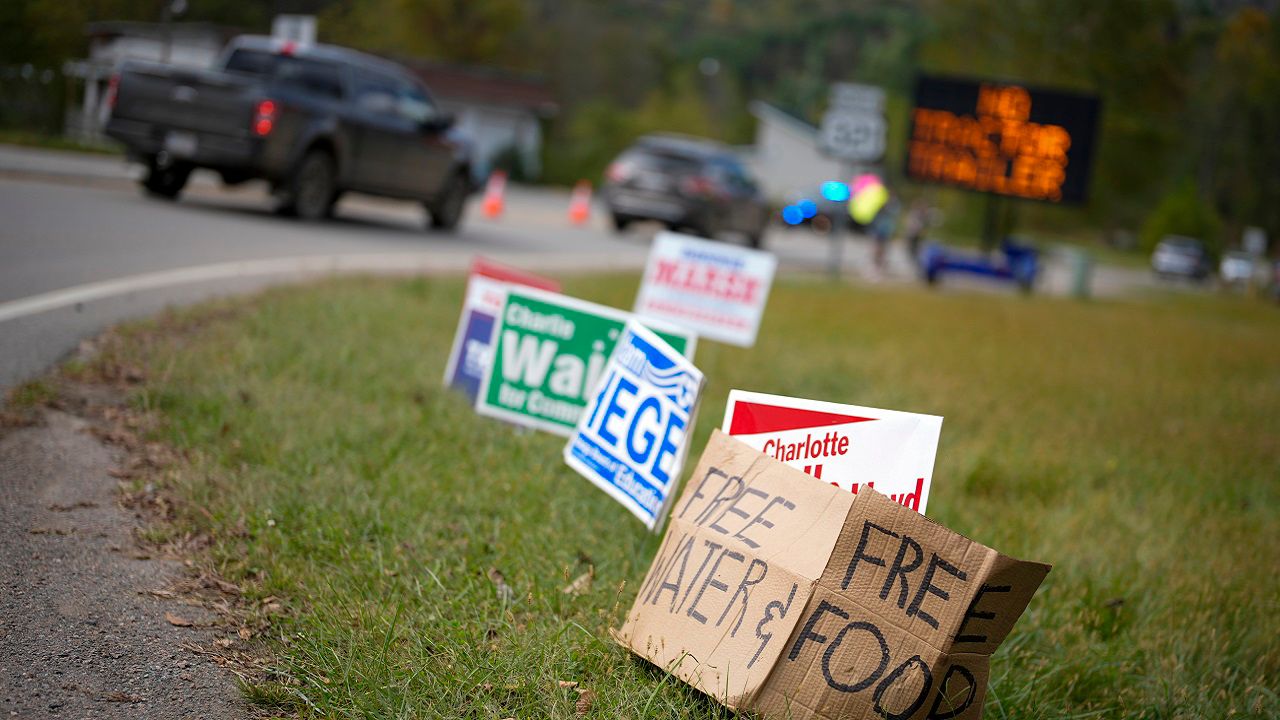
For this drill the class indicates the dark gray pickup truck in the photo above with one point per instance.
(313, 121)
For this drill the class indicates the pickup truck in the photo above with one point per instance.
(313, 121)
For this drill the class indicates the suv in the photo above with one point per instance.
(312, 120)
(1179, 256)
(685, 183)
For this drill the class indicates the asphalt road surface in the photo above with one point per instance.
(81, 247)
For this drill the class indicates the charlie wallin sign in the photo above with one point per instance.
(774, 593)
(549, 352)
(632, 440)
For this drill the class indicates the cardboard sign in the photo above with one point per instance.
(714, 289)
(845, 445)
(789, 597)
(632, 440)
(549, 353)
(486, 292)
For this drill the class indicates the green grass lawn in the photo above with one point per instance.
(1136, 447)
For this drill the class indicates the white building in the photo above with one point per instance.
(111, 43)
(497, 110)
(785, 158)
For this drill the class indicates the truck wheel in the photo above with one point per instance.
(446, 211)
(311, 188)
(621, 222)
(166, 181)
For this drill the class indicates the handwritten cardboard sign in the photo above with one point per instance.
(632, 440)
(549, 353)
(848, 446)
(716, 290)
(486, 292)
(777, 594)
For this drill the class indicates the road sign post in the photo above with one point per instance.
(853, 132)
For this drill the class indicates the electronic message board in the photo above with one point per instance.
(1002, 138)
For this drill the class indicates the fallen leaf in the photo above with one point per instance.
(177, 620)
(223, 642)
(568, 683)
(586, 698)
(505, 593)
(582, 583)
(245, 633)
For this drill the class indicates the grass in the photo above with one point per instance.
(1134, 446)
(45, 141)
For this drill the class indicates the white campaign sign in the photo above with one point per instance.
(848, 446)
(714, 289)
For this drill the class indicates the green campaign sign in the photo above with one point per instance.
(549, 352)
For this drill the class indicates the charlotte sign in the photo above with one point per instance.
(632, 440)
(788, 597)
(549, 352)
(848, 446)
(716, 290)
(486, 292)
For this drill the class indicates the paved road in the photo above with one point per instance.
(73, 222)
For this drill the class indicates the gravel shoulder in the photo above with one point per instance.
(81, 633)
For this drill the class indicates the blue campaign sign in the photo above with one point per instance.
(474, 358)
(632, 439)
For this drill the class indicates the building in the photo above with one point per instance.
(785, 158)
(111, 43)
(500, 112)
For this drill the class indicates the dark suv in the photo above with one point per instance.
(687, 184)
(312, 120)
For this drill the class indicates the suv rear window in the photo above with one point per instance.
(663, 162)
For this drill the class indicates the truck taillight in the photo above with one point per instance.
(264, 118)
(113, 91)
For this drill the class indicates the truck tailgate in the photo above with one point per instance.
(203, 101)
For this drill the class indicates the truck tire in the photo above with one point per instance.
(446, 211)
(311, 188)
(166, 181)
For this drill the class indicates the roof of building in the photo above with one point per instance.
(159, 31)
(489, 86)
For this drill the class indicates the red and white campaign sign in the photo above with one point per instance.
(846, 445)
(719, 291)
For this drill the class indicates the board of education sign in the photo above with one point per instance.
(632, 440)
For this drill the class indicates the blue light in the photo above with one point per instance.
(808, 208)
(792, 215)
(835, 191)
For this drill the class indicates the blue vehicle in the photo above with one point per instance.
(1015, 262)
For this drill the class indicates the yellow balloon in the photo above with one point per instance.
(864, 206)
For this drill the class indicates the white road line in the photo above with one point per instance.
(298, 266)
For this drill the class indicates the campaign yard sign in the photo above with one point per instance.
(632, 440)
(486, 292)
(848, 446)
(793, 599)
(719, 291)
(549, 352)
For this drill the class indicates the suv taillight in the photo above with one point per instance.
(698, 185)
(264, 118)
(113, 91)
(618, 171)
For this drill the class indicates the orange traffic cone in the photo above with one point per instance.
(580, 203)
(495, 194)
